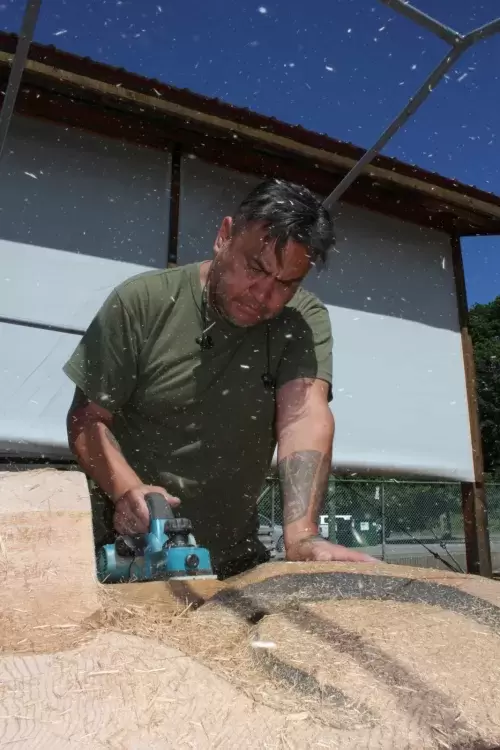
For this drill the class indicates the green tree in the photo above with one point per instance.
(484, 323)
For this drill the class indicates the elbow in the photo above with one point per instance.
(321, 423)
(79, 425)
(84, 418)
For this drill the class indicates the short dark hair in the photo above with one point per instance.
(290, 212)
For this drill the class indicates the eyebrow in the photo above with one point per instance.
(284, 281)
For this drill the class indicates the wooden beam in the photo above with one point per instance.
(474, 508)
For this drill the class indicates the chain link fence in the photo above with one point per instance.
(406, 522)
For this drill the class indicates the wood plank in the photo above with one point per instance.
(474, 508)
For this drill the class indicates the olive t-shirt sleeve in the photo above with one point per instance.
(105, 362)
(309, 351)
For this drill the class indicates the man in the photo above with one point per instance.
(188, 377)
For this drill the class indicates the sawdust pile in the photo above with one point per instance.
(297, 673)
(420, 676)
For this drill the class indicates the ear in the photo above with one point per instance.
(224, 234)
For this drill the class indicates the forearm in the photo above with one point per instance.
(99, 454)
(304, 462)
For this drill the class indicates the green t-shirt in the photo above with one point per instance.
(199, 423)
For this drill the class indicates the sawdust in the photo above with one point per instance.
(125, 693)
(340, 674)
(411, 666)
(375, 666)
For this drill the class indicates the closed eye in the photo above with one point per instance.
(284, 282)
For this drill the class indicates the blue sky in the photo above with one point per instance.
(343, 67)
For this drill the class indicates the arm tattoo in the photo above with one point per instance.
(304, 481)
(114, 442)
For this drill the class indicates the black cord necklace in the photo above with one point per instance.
(206, 342)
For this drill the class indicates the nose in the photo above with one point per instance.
(262, 291)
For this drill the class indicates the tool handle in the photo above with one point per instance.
(158, 506)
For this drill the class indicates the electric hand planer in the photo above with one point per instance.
(167, 552)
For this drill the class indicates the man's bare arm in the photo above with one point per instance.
(98, 452)
(305, 430)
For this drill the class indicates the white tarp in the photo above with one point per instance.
(42, 288)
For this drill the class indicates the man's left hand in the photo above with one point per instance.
(321, 550)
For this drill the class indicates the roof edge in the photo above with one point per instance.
(46, 61)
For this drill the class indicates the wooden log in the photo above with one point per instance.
(301, 655)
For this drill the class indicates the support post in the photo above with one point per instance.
(331, 510)
(474, 508)
(382, 499)
(175, 200)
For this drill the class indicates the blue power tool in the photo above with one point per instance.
(168, 551)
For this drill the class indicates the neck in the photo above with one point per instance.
(207, 288)
(205, 267)
(208, 292)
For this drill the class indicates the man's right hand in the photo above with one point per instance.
(131, 511)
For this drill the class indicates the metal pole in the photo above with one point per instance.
(18, 63)
(383, 519)
(400, 120)
(459, 44)
(484, 32)
(331, 510)
(414, 14)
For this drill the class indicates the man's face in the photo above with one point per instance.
(250, 281)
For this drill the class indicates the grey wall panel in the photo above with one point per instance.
(208, 193)
(70, 190)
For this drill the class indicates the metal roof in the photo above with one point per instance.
(388, 185)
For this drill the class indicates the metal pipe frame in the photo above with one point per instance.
(26, 34)
(459, 44)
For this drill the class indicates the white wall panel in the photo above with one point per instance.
(70, 190)
(56, 288)
(35, 392)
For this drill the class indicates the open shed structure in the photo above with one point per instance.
(106, 174)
